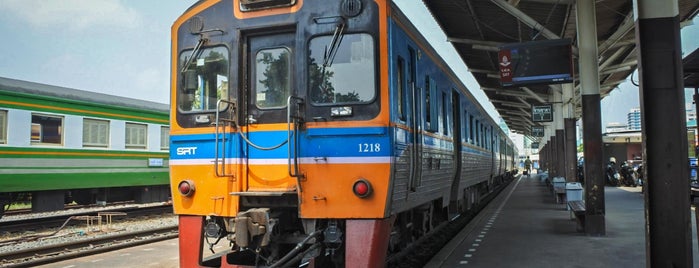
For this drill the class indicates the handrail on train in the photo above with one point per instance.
(234, 123)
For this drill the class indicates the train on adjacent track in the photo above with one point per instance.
(61, 145)
(321, 133)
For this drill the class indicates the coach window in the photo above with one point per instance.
(445, 119)
(272, 77)
(400, 87)
(343, 73)
(47, 129)
(203, 79)
(3, 127)
(95, 133)
(136, 136)
(164, 138)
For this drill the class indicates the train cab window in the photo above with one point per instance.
(341, 70)
(203, 79)
(164, 138)
(272, 78)
(46, 129)
(95, 133)
(136, 136)
(3, 127)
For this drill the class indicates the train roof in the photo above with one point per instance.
(21, 86)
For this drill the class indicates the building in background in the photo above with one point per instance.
(633, 121)
(615, 127)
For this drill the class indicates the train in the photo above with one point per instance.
(317, 133)
(61, 146)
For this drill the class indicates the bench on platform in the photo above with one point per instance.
(560, 194)
(577, 208)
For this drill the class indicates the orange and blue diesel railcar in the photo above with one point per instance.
(316, 132)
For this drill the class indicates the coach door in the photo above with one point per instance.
(416, 122)
(267, 87)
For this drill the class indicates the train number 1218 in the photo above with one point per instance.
(369, 147)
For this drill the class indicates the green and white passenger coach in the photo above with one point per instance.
(60, 145)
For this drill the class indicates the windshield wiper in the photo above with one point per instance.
(334, 45)
(194, 55)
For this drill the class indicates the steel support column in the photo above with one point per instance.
(592, 129)
(560, 134)
(571, 150)
(553, 165)
(668, 224)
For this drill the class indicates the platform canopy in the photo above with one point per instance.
(477, 29)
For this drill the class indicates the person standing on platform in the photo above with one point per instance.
(528, 167)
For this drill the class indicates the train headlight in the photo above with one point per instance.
(362, 188)
(186, 188)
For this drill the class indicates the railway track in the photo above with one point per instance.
(421, 251)
(76, 249)
(13, 226)
(24, 211)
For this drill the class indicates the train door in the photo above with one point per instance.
(456, 126)
(416, 120)
(267, 70)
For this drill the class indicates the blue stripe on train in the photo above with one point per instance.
(344, 142)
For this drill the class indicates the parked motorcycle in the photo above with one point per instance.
(638, 170)
(628, 178)
(612, 174)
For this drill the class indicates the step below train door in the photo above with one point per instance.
(270, 113)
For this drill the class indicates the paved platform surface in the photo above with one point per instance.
(525, 227)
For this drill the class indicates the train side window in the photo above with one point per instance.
(136, 136)
(164, 138)
(464, 127)
(204, 79)
(445, 119)
(471, 128)
(272, 77)
(400, 87)
(428, 120)
(479, 128)
(480, 135)
(47, 129)
(95, 133)
(431, 105)
(3, 127)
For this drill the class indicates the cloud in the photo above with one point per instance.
(76, 15)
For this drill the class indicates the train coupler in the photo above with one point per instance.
(253, 225)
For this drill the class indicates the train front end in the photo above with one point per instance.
(280, 150)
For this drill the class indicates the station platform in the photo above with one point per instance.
(525, 227)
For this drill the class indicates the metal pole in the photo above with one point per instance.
(668, 225)
(592, 129)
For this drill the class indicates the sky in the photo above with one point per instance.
(116, 47)
(122, 47)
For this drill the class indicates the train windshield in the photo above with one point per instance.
(349, 77)
(204, 79)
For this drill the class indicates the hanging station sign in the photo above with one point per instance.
(542, 113)
(537, 131)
